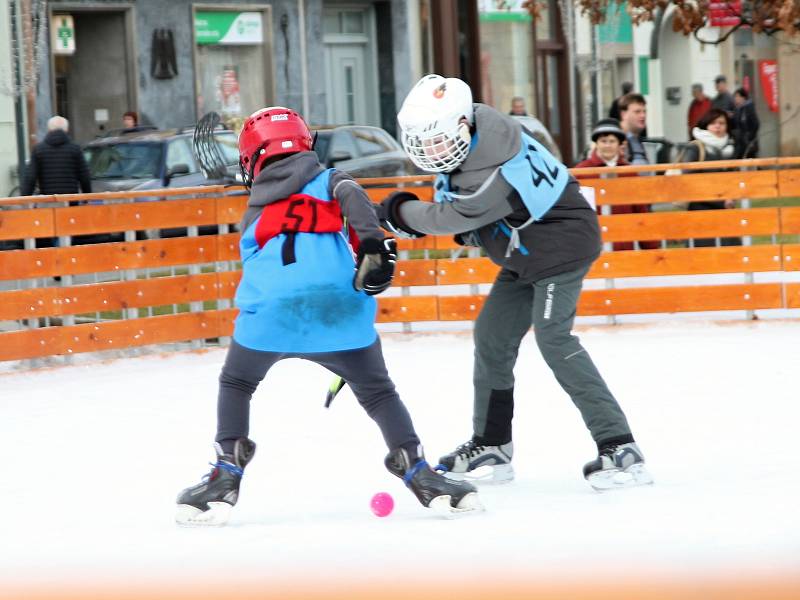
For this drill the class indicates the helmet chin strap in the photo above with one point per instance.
(247, 174)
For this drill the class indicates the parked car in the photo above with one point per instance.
(154, 159)
(539, 132)
(145, 160)
(362, 151)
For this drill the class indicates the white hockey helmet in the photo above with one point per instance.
(434, 133)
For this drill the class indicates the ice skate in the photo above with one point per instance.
(210, 501)
(617, 467)
(445, 497)
(479, 464)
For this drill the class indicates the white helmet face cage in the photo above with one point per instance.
(435, 119)
(438, 150)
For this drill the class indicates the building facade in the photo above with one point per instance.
(664, 64)
(172, 62)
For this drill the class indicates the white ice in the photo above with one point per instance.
(94, 455)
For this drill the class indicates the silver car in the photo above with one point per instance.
(539, 132)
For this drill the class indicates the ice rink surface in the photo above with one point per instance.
(95, 454)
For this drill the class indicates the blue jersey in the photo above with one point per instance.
(308, 305)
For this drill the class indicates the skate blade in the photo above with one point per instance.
(485, 475)
(617, 479)
(217, 515)
(442, 506)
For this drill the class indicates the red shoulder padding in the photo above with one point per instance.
(299, 213)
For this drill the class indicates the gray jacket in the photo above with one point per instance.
(565, 239)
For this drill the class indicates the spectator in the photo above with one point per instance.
(608, 138)
(745, 125)
(57, 165)
(711, 142)
(700, 105)
(613, 112)
(633, 108)
(130, 121)
(518, 107)
(723, 100)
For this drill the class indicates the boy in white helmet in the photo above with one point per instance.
(501, 190)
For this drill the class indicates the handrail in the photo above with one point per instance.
(205, 190)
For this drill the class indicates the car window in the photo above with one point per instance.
(141, 160)
(180, 153)
(373, 141)
(228, 144)
(343, 143)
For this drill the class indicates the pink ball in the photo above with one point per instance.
(382, 504)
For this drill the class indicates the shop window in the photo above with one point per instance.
(507, 54)
(347, 22)
(233, 63)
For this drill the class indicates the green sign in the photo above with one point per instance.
(644, 75)
(617, 28)
(228, 28)
(503, 10)
(62, 34)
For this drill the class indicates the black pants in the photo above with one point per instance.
(363, 369)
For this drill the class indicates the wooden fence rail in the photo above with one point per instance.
(87, 294)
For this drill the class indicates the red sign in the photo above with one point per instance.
(724, 14)
(768, 73)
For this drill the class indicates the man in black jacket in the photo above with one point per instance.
(57, 165)
(745, 125)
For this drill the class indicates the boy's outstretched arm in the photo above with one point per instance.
(465, 213)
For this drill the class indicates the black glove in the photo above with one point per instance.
(375, 265)
(389, 215)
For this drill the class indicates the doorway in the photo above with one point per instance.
(552, 97)
(351, 78)
(553, 100)
(93, 88)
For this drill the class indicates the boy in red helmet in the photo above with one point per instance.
(302, 295)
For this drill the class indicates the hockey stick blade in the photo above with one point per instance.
(336, 386)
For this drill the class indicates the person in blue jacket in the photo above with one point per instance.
(499, 189)
(304, 295)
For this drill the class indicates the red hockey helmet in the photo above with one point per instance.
(269, 132)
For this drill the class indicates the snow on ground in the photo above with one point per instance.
(96, 453)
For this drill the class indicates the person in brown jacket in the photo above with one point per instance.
(608, 138)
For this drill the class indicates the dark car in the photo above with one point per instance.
(152, 159)
(362, 151)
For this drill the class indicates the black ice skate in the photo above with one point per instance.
(210, 501)
(431, 488)
(479, 464)
(617, 466)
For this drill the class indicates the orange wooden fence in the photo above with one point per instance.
(135, 291)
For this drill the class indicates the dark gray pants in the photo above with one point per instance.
(363, 369)
(549, 305)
